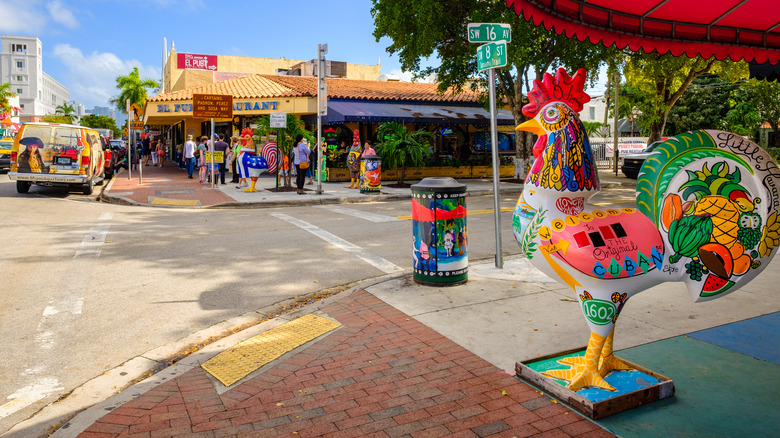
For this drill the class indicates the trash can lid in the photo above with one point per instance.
(442, 184)
(371, 157)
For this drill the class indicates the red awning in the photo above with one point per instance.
(736, 29)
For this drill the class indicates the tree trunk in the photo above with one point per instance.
(401, 175)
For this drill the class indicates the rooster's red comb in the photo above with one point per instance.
(559, 88)
(247, 131)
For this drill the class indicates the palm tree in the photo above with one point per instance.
(400, 147)
(134, 88)
(66, 110)
(5, 94)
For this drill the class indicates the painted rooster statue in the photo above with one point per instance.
(706, 215)
(251, 165)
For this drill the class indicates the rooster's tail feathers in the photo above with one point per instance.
(714, 197)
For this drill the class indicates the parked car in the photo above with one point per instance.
(632, 163)
(5, 153)
(109, 156)
(57, 155)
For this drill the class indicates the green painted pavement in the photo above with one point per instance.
(718, 393)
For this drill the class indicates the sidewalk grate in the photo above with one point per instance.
(234, 364)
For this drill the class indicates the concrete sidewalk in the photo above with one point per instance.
(168, 186)
(413, 360)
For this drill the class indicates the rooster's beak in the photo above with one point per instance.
(531, 125)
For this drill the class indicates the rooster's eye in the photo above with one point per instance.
(551, 115)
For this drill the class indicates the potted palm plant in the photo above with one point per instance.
(400, 148)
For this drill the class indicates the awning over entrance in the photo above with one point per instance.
(737, 29)
(379, 112)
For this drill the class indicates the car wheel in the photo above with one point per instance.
(89, 187)
(23, 186)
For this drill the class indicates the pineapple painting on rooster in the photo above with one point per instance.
(706, 215)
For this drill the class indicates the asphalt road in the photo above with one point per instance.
(87, 286)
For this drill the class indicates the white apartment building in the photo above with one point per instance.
(21, 65)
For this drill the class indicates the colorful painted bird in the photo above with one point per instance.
(706, 215)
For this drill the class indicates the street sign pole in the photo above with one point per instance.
(494, 150)
(129, 153)
(322, 99)
(492, 55)
(213, 150)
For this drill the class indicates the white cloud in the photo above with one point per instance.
(407, 76)
(20, 17)
(92, 78)
(61, 14)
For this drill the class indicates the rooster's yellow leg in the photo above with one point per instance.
(586, 372)
(252, 188)
(609, 362)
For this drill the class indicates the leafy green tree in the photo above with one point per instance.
(399, 147)
(105, 122)
(58, 119)
(704, 106)
(284, 136)
(592, 127)
(423, 29)
(132, 87)
(763, 98)
(664, 78)
(5, 95)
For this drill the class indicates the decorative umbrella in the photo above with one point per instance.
(736, 29)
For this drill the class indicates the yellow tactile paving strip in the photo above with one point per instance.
(168, 201)
(234, 364)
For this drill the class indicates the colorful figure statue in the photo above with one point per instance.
(249, 164)
(353, 161)
(706, 215)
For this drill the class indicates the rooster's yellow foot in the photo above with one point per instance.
(580, 378)
(611, 363)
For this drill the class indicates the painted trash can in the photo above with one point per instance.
(440, 248)
(370, 174)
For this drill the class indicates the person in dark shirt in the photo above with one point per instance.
(220, 145)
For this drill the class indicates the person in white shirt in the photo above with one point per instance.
(189, 156)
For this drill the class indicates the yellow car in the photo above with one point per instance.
(5, 152)
(57, 155)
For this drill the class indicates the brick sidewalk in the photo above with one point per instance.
(167, 183)
(383, 374)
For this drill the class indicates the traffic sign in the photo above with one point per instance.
(212, 106)
(488, 32)
(137, 111)
(491, 55)
(278, 120)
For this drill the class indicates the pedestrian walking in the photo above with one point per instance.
(221, 146)
(301, 162)
(180, 155)
(146, 149)
(153, 151)
(235, 147)
(160, 152)
(202, 148)
(189, 155)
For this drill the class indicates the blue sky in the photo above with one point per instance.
(87, 43)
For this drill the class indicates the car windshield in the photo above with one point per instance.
(6, 144)
(652, 147)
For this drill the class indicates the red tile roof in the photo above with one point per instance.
(259, 86)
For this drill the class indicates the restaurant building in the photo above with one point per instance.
(457, 119)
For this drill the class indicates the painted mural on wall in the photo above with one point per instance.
(706, 215)
(440, 236)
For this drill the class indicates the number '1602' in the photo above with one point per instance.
(598, 312)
